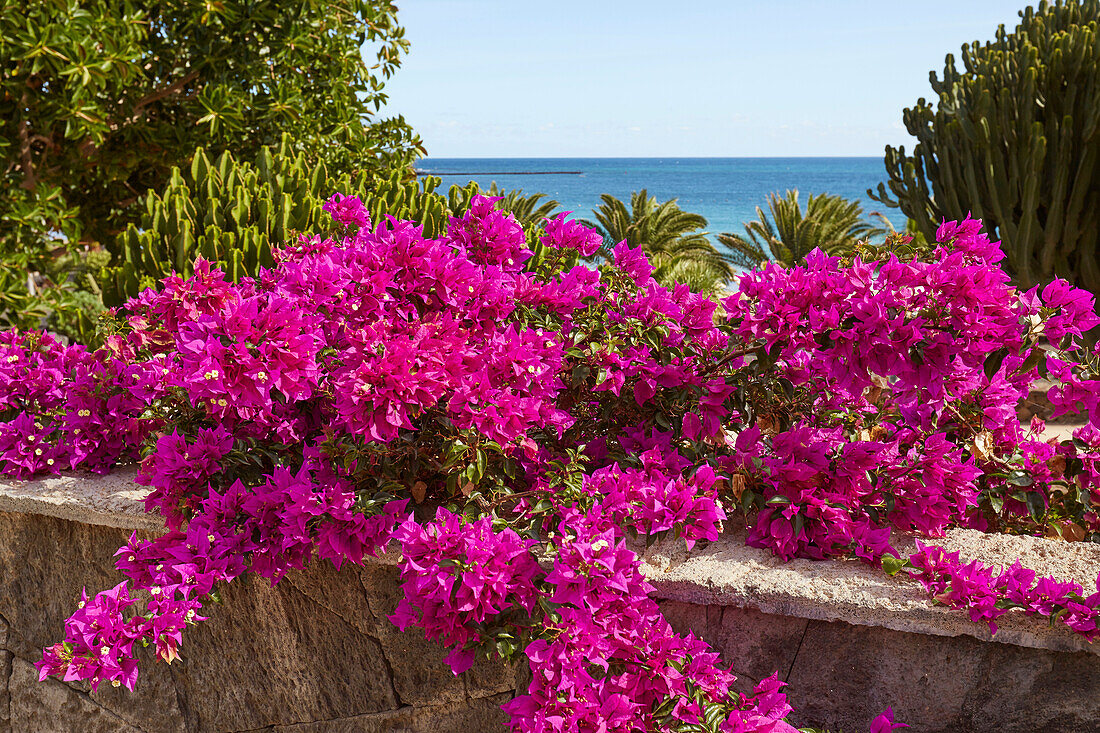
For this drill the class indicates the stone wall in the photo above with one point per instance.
(313, 653)
(316, 654)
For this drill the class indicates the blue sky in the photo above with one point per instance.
(515, 78)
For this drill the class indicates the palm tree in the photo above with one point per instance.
(670, 236)
(831, 223)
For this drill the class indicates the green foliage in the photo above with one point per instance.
(59, 294)
(679, 251)
(831, 223)
(100, 100)
(232, 213)
(1015, 138)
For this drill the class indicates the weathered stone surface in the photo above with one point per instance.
(729, 573)
(1024, 691)
(5, 676)
(723, 573)
(753, 645)
(272, 655)
(473, 716)
(844, 675)
(429, 680)
(6, 659)
(316, 653)
(111, 500)
(51, 707)
(314, 647)
(44, 563)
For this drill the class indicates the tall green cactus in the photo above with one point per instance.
(1014, 139)
(233, 213)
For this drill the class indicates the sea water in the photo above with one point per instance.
(724, 190)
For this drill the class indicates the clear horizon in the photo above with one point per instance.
(633, 157)
(735, 79)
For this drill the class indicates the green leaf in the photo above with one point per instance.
(893, 565)
(994, 360)
(787, 387)
(799, 522)
(481, 463)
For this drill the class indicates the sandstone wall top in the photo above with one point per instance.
(722, 573)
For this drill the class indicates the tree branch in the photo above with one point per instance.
(88, 147)
(173, 88)
(26, 160)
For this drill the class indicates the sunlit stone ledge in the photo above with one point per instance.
(724, 573)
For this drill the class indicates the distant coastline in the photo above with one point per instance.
(497, 173)
(724, 190)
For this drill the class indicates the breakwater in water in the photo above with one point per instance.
(724, 190)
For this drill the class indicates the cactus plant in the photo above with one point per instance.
(1014, 139)
(233, 213)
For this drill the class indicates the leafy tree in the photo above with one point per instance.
(831, 223)
(59, 291)
(672, 237)
(100, 98)
(1015, 139)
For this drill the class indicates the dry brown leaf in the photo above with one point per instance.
(879, 384)
(418, 490)
(1057, 466)
(1073, 532)
(737, 485)
(982, 447)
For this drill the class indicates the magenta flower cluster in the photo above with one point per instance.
(69, 408)
(512, 421)
(987, 595)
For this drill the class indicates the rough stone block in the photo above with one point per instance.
(51, 707)
(754, 645)
(317, 654)
(472, 716)
(844, 675)
(421, 677)
(6, 659)
(317, 646)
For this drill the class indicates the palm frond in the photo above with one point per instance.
(674, 239)
(787, 234)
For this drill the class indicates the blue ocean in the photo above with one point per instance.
(724, 190)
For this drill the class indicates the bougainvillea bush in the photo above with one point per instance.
(516, 424)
